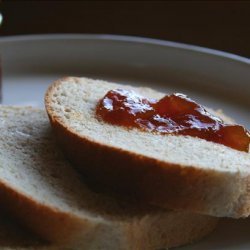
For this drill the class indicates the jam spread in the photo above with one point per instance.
(173, 114)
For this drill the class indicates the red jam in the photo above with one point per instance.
(173, 114)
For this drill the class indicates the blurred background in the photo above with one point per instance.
(222, 25)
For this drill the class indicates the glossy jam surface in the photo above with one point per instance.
(173, 114)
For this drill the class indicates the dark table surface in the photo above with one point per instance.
(222, 25)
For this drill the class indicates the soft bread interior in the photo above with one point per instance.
(74, 102)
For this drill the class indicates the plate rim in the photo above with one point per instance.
(125, 38)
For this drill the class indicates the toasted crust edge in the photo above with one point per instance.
(41, 219)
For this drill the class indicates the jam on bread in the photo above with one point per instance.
(173, 114)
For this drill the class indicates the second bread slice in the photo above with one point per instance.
(40, 189)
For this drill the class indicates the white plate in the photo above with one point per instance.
(213, 78)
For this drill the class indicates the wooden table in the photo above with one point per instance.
(223, 25)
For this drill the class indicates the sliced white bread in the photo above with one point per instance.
(40, 189)
(178, 172)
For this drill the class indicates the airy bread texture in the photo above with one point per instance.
(177, 172)
(41, 190)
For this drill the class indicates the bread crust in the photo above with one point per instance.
(150, 180)
(47, 222)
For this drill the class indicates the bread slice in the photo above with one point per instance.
(177, 172)
(40, 189)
